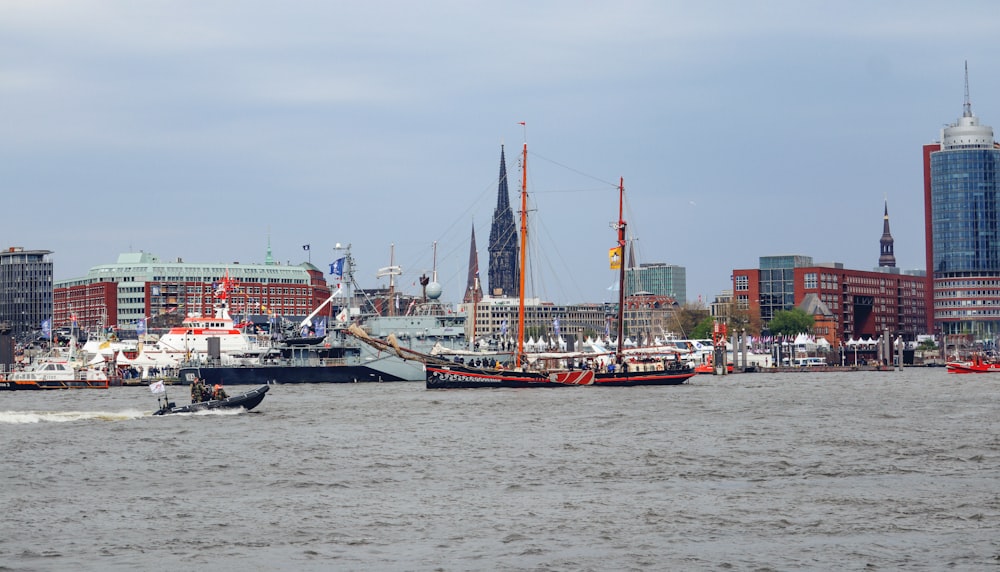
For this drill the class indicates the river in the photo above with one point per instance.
(827, 471)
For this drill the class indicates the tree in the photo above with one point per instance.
(791, 322)
(740, 318)
(704, 329)
(688, 317)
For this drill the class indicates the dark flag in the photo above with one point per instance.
(337, 267)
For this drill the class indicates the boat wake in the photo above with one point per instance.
(213, 412)
(23, 417)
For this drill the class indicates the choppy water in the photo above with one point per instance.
(748, 472)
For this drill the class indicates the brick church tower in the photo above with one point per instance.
(504, 274)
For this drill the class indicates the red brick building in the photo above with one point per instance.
(847, 303)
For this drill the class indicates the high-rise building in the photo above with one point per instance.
(25, 290)
(962, 225)
(504, 272)
(658, 279)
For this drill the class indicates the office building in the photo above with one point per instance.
(140, 286)
(962, 228)
(657, 279)
(25, 291)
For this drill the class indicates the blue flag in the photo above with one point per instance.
(47, 329)
(140, 327)
(555, 326)
(503, 328)
(337, 267)
(321, 327)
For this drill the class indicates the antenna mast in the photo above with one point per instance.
(967, 108)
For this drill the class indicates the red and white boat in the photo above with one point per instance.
(194, 332)
(191, 338)
(976, 365)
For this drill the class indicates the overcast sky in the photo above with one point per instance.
(204, 129)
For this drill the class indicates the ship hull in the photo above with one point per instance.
(256, 375)
(459, 377)
(247, 401)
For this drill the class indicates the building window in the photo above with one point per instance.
(742, 283)
(810, 281)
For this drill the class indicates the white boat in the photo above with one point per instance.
(55, 373)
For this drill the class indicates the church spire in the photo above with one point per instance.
(504, 273)
(474, 289)
(886, 258)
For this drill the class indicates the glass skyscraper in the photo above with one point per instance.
(963, 245)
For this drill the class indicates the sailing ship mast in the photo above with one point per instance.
(620, 226)
(391, 271)
(524, 252)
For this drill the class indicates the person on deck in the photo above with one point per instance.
(196, 390)
(219, 392)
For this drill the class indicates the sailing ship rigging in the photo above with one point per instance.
(651, 366)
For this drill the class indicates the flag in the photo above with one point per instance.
(555, 326)
(223, 287)
(47, 329)
(157, 387)
(615, 257)
(72, 318)
(503, 328)
(337, 266)
(321, 327)
(305, 247)
(140, 327)
(342, 316)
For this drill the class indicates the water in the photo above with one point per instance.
(748, 472)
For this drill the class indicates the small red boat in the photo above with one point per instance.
(976, 365)
(708, 367)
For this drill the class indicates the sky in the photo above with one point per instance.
(208, 130)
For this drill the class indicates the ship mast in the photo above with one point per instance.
(524, 252)
(621, 271)
(391, 271)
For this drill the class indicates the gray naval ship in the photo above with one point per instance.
(334, 356)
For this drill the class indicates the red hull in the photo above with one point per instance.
(458, 376)
(958, 367)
